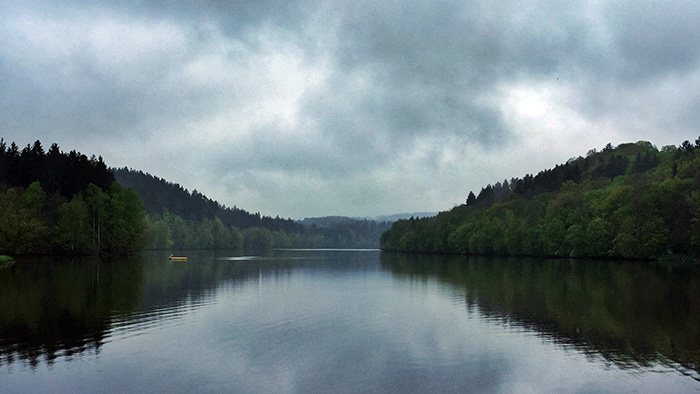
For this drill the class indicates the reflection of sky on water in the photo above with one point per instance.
(261, 258)
(343, 336)
(280, 327)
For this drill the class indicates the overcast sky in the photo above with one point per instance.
(357, 108)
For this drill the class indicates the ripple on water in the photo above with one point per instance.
(128, 325)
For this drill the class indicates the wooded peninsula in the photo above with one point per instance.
(632, 201)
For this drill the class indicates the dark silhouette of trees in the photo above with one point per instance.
(56, 171)
(547, 180)
(645, 162)
(340, 232)
(157, 194)
(190, 220)
(471, 199)
(616, 165)
(52, 201)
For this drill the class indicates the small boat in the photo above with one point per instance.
(177, 258)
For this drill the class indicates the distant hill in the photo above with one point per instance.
(327, 221)
(629, 201)
(158, 194)
(345, 232)
(165, 202)
(400, 216)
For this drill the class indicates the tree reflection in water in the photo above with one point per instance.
(632, 314)
(629, 314)
(54, 309)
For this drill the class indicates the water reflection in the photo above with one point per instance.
(350, 309)
(52, 308)
(631, 314)
(60, 307)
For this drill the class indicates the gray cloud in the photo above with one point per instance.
(654, 39)
(310, 108)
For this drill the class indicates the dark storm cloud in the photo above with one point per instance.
(366, 98)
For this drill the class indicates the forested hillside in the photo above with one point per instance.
(345, 232)
(158, 194)
(57, 202)
(64, 202)
(629, 201)
(179, 219)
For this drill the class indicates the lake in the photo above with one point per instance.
(306, 321)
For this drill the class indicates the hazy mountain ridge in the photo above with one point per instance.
(346, 232)
(325, 221)
(189, 220)
(400, 216)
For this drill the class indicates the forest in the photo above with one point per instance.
(53, 202)
(57, 202)
(632, 201)
(170, 231)
(346, 232)
(180, 219)
(158, 194)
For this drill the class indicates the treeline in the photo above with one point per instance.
(180, 219)
(344, 232)
(57, 202)
(629, 201)
(58, 172)
(158, 194)
(170, 231)
(64, 202)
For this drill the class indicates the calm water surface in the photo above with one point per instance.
(348, 322)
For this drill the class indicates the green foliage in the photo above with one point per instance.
(631, 201)
(257, 239)
(72, 230)
(93, 221)
(21, 228)
(96, 201)
(34, 198)
(408, 242)
(125, 220)
(86, 212)
(54, 201)
(344, 232)
(169, 231)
